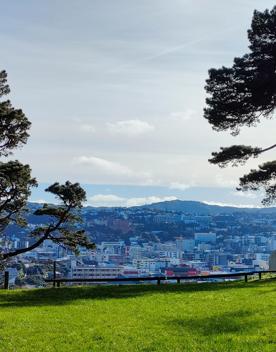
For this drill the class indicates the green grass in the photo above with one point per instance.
(233, 316)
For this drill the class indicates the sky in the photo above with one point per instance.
(115, 94)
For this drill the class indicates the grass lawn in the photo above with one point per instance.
(233, 316)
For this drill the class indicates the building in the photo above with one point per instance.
(95, 272)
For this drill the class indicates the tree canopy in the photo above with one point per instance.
(242, 95)
(16, 184)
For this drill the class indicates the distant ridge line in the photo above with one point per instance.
(187, 206)
(204, 208)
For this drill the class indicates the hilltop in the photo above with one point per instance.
(166, 220)
(195, 207)
(188, 317)
(184, 206)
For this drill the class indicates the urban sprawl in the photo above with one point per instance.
(150, 241)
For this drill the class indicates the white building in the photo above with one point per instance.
(93, 272)
(150, 265)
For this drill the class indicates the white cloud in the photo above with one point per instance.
(107, 166)
(111, 200)
(249, 195)
(131, 202)
(223, 181)
(88, 128)
(106, 200)
(179, 186)
(221, 204)
(110, 171)
(130, 127)
(182, 116)
(40, 201)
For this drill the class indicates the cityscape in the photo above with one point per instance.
(150, 241)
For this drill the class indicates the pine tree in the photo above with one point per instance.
(243, 95)
(16, 184)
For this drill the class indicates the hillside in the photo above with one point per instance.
(115, 223)
(192, 317)
(194, 207)
(184, 206)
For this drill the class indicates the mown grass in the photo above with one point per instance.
(233, 316)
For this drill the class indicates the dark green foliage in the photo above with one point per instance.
(63, 230)
(240, 95)
(244, 93)
(14, 125)
(234, 155)
(16, 183)
(70, 194)
(4, 87)
(264, 177)
(13, 128)
(15, 188)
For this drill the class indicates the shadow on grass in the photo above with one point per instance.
(226, 323)
(65, 295)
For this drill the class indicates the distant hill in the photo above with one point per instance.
(185, 206)
(195, 207)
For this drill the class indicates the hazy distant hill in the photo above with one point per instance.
(185, 206)
(195, 207)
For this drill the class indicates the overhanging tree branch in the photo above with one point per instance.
(268, 148)
(243, 94)
(237, 154)
(50, 229)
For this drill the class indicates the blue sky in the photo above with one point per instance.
(115, 93)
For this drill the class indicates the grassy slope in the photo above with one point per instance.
(197, 317)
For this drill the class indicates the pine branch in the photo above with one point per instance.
(236, 155)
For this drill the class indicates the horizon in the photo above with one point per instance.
(121, 196)
(222, 205)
